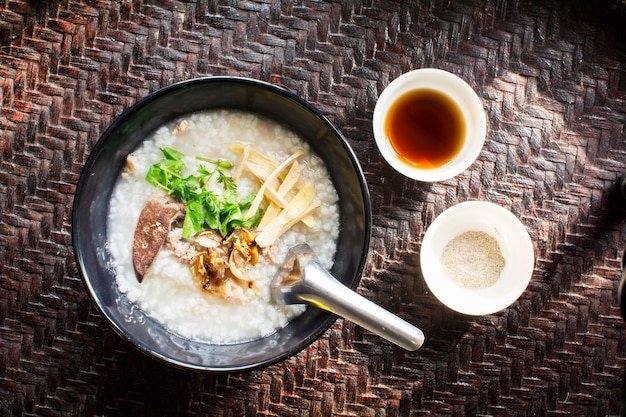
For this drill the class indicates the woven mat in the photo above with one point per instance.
(552, 75)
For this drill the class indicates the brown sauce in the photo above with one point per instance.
(425, 128)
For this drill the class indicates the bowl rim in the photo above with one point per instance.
(515, 240)
(99, 147)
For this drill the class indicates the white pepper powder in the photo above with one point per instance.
(473, 260)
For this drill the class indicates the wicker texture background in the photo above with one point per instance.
(552, 76)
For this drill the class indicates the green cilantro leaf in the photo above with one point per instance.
(205, 208)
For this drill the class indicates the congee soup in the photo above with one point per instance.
(204, 214)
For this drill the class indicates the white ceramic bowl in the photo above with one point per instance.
(515, 245)
(456, 89)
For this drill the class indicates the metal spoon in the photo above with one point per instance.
(302, 279)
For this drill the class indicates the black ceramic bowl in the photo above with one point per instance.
(104, 165)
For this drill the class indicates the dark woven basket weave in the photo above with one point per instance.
(552, 76)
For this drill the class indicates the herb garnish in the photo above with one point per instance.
(222, 212)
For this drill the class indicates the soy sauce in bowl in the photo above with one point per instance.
(426, 128)
(429, 124)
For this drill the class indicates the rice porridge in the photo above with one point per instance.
(168, 292)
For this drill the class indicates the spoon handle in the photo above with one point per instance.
(315, 285)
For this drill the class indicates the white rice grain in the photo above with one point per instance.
(168, 292)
